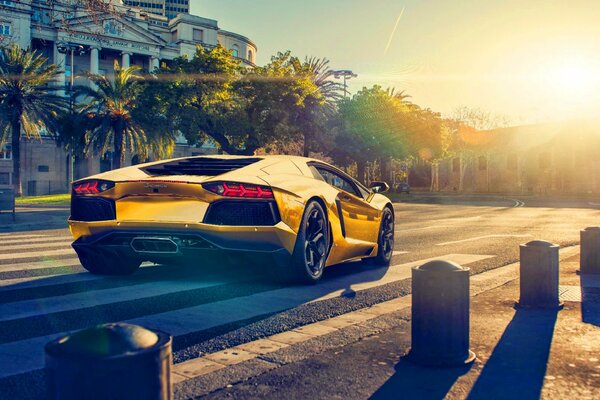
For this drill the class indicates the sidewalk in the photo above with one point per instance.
(521, 354)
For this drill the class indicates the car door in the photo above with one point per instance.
(360, 220)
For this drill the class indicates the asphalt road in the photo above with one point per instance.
(44, 292)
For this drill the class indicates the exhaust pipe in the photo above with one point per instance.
(154, 245)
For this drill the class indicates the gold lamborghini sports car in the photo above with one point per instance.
(295, 214)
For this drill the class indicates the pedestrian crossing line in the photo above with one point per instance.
(27, 246)
(35, 254)
(55, 280)
(397, 253)
(25, 266)
(66, 239)
(12, 236)
(25, 355)
(93, 298)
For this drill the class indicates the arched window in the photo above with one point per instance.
(250, 56)
(235, 50)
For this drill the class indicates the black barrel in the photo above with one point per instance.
(539, 275)
(110, 361)
(440, 315)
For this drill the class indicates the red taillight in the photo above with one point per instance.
(92, 187)
(234, 189)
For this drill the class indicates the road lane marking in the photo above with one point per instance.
(93, 298)
(28, 246)
(36, 254)
(48, 239)
(12, 236)
(473, 239)
(397, 252)
(65, 262)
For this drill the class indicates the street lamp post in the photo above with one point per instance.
(72, 48)
(346, 74)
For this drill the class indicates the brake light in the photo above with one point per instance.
(234, 189)
(92, 187)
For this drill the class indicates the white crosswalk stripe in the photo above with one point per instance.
(48, 302)
(12, 247)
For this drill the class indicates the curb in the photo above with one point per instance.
(211, 372)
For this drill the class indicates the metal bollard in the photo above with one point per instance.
(538, 275)
(589, 260)
(111, 361)
(440, 315)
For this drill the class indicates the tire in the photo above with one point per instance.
(385, 239)
(109, 264)
(312, 245)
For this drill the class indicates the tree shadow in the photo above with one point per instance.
(411, 381)
(590, 299)
(517, 367)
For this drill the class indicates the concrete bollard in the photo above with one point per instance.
(440, 315)
(589, 261)
(111, 361)
(538, 275)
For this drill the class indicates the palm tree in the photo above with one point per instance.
(324, 100)
(27, 101)
(108, 113)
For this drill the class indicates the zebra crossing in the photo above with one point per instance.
(45, 294)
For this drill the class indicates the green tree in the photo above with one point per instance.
(371, 125)
(27, 100)
(110, 125)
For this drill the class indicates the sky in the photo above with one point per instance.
(528, 60)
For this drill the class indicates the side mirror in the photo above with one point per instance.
(379, 187)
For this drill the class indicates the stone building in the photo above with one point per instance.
(80, 41)
(543, 158)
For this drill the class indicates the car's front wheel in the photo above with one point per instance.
(312, 245)
(109, 264)
(385, 241)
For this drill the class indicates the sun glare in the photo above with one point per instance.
(572, 79)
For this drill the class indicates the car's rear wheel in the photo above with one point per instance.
(108, 264)
(312, 245)
(385, 241)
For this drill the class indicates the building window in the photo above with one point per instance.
(250, 56)
(482, 163)
(43, 168)
(174, 36)
(5, 29)
(5, 2)
(235, 50)
(4, 178)
(6, 152)
(198, 35)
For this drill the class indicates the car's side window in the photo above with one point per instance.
(337, 181)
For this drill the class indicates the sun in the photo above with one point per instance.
(572, 78)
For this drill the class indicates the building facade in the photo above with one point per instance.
(80, 41)
(167, 8)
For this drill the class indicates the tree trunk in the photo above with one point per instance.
(16, 156)
(360, 171)
(118, 156)
(306, 150)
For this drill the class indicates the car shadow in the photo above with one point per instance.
(411, 381)
(590, 299)
(517, 366)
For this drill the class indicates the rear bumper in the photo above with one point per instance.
(162, 242)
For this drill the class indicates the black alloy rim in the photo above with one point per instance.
(387, 234)
(315, 245)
